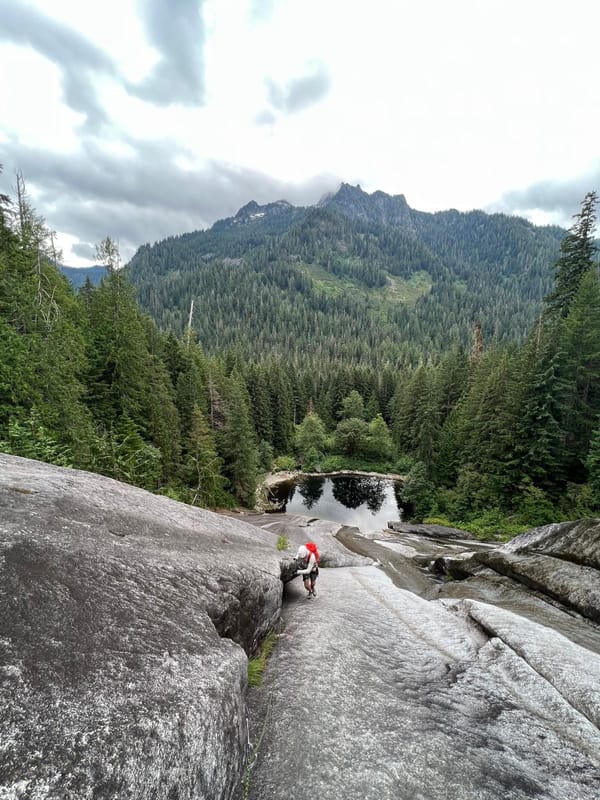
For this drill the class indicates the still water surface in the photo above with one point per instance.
(365, 502)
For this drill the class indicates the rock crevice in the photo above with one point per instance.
(125, 620)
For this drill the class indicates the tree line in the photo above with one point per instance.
(313, 283)
(488, 434)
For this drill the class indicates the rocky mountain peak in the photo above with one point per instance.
(252, 210)
(379, 207)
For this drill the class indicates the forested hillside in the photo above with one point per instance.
(359, 279)
(493, 436)
(79, 276)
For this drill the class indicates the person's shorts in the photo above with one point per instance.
(312, 576)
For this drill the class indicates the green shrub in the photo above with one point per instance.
(311, 461)
(333, 464)
(283, 542)
(284, 464)
(29, 438)
(493, 525)
(339, 463)
(180, 493)
(579, 500)
(534, 507)
(403, 464)
(439, 521)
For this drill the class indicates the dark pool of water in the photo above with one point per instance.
(365, 502)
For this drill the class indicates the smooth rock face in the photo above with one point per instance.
(574, 585)
(561, 561)
(437, 531)
(572, 670)
(124, 618)
(299, 529)
(493, 589)
(578, 542)
(377, 694)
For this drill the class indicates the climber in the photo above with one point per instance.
(308, 567)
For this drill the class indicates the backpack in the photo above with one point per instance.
(312, 547)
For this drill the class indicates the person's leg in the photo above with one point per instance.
(313, 581)
(307, 586)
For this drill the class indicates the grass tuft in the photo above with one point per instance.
(256, 666)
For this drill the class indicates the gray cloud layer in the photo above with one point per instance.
(299, 93)
(144, 197)
(84, 250)
(562, 198)
(78, 59)
(176, 29)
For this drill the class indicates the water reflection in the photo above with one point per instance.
(366, 502)
(311, 490)
(353, 491)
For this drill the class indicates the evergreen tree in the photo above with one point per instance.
(129, 458)
(593, 466)
(352, 437)
(262, 413)
(310, 438)
(577, 256)
(489, 414)
(581, 370)
(451, 381)
(372, 408)
(202, 464)
(353, 406)
(239, 447)
(117, 353)
(404, 407)
(282, 410)
(163, 424)
(416, 416)
(539, 450)
(380, 444)
(418, 491)
(450, 447)
(42, 352)
(107, 253)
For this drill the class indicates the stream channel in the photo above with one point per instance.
(395, 685)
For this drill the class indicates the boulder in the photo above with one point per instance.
(578, 542)
(125, 624)
(560, 560)
(458, 566)
(435, 531)
(289, 569)
(573, 585)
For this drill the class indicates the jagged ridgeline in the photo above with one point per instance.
(359, 278)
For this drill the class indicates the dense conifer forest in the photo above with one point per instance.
(496, 426)
(359, 279)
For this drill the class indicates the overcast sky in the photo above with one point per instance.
(144, 118)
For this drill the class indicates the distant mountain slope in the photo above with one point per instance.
(79, 275)
(359, 277)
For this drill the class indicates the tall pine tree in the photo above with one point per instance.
(577, 256)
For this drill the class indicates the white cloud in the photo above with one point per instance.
(462, 104)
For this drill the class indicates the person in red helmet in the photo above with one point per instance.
(308, 567)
